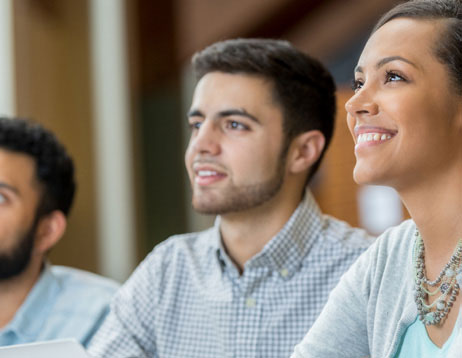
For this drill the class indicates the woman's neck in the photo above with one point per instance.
(436, 207)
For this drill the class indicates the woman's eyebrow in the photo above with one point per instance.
(386, 60)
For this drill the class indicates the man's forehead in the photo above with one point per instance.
(219, 91)
(18, 169)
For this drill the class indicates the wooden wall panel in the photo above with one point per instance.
(53, 88)
(334, 187)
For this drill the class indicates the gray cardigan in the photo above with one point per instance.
(371, 307)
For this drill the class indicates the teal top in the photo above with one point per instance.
(417, 344)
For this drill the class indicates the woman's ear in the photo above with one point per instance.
(50, 229)
(305, 150)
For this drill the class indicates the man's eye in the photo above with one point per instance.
(2, 199)
(236, 125)
(356, 85)
(195, 125)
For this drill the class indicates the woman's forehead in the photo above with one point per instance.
(408, 38)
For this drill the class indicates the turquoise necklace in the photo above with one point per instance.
(445, 285)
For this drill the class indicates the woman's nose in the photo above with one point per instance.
(362, 103)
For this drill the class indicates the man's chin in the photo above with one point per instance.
(206, 209)
(11, 270)
(222, 208)
(15, 262)
(211, 208)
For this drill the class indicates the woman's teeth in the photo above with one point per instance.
(372, 137)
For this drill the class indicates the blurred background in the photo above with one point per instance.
(111, 78)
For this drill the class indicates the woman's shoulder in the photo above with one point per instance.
(395, 245)
(398, 237)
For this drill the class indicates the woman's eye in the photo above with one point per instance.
(356, 85)
(393, 77)
(2, 198)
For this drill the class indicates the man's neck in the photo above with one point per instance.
(14, 291)
(245, 234)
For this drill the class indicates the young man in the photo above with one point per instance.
(39, 301)
(261, 118)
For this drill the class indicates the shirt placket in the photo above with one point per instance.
(248, 316)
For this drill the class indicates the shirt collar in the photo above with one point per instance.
(30, 317)
(218, 248)
(285, 251)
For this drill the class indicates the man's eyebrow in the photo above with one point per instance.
(238, 112)
(195, 113)
(225, 113)
(9, 187)
(386, 60)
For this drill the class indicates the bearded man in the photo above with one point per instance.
(40, 301)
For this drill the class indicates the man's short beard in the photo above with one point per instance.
(241, 198)
(14, 262)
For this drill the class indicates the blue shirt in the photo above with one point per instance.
(187, 298)
(64, 303)
(417, 344)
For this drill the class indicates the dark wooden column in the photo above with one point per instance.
(157, 110)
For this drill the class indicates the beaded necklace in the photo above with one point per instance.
(446, 284)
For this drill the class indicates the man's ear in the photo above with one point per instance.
(305, 150)
(50, 229)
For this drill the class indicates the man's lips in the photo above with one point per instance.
(206, 175)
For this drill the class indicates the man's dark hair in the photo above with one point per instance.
(54, 167)
(448, 48)
(303, 88)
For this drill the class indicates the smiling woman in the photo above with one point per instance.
(401, 298)
(400, 89)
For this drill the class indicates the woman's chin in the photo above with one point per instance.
(366, 176)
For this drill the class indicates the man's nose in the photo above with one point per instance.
(207, 139)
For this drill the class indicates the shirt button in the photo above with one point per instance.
(284, 272)
(250, 302)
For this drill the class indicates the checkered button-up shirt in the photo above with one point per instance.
(187, 299)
